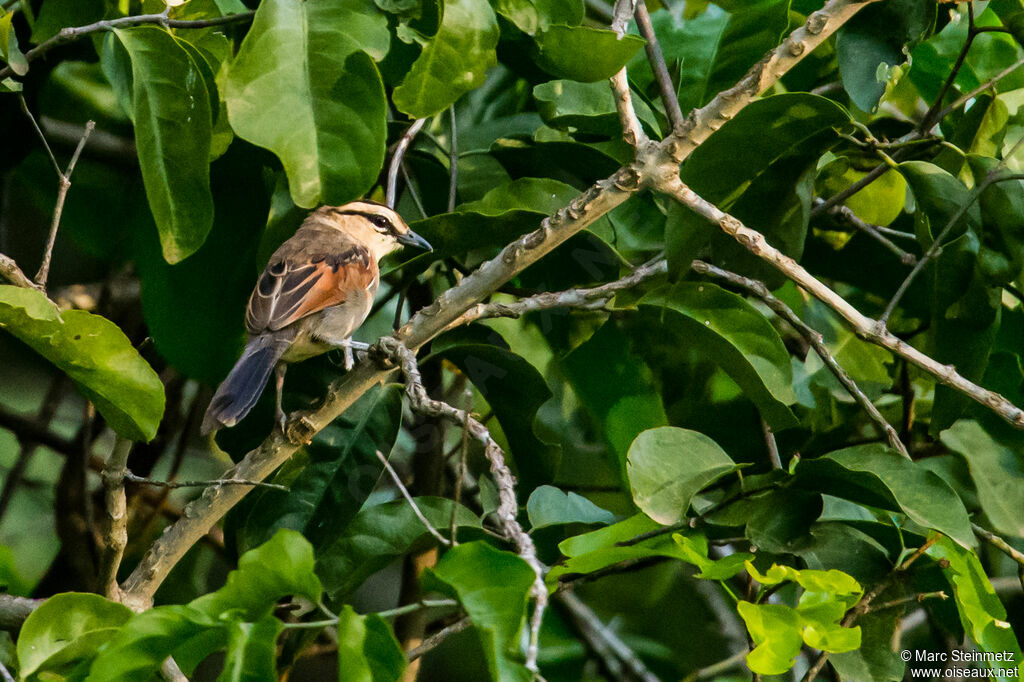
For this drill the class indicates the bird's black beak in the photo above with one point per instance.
(410, 238)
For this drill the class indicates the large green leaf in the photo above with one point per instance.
(667, 466)
(876, 40)
(876, 475)
(367, 649)
(378, 535)
(454, 62)
(303, 87)
(531, 16)
(252, 651)
(549, 506)
(173, 123)
(584, 107)
(95, 354)
(66, 629)
(733, 334)
(982, 615)
(493, 586)
(561, 48)
(997, 472)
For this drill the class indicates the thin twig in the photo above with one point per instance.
(58, 209)
(814, 338)
(863, 326)
(632, 132)
(72, 33)
(999, 543)
(453, 161)
(508, 506)
(115, 528)
(408, 498)
(715, 670)
(846, 214)
(391, 191)
(129, 476)
(622, 12)
(930, 118)
(658, 66)
(617, 656)
(772, 445)
(5, 673)
(436, 638)
(910, 598)
(39, 133)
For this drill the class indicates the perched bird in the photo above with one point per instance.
(316, 290)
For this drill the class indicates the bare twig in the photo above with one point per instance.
(616, 655)
(408, 498)
(115, 528)
(508, 507)
(391, 191)
(453, 161)
(129, 476)
(930, 117)
(909, 599)
(816, 342)
(999, 543)
(39, 133)
(632, 132)
(658, 66)
(874, 231)
(771, 444)
(5, 673)
(62, 193)
(10, 271)
(14, 610)
(72, 33)
(863, 326)
(436, 638)
(715, 670)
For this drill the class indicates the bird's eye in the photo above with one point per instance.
(380, 222)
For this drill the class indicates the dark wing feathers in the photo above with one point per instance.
(291, 288)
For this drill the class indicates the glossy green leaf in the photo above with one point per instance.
(667, 466)
(493, 586)
(584, 107)
(996, 470)
(65, 630)
(880, 203)
(93, 352)
(876, 40)
(454, 62)
(549, 506)
(279, 567)
(531, 16)
(378, 535)
(775, 631)
(252, 651)
(982, 614)
(367, 649)
(57, 14)
(303, 87)
(328, 482)
(734, 335)
(9, 50)
(171, 112)
(561, 46)
(877, 476)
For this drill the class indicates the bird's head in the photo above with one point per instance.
(375, 225)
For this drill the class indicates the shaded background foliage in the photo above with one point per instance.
(642, 433)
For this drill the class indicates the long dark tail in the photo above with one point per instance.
(243, 386)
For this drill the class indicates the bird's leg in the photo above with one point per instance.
(348, 345)
(279, 371)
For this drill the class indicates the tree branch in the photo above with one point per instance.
(658, 66)
(846, 214)
(616, 655)
(13, 274)
(14, 610)
(391, 191)
(115, 528)
(412, 503)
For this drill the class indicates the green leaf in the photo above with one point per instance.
(876, 475)
(733, 334)
(876, 40)
(775, 631)
(667, 466)
(93, 352)
(171, 112)
(695, 551)
(454, 62)
(281, 566)
(367, 649)
(981, 613)
(303, 87)
(584, 107)
(65, 630)
(252, 651)
(531, 16)
(9, 45)
(561, 46)
(549, 506)
(324, 491)
(996, 471)
(1002, 215)
(493, 586)
(57, 14)
(378, 535)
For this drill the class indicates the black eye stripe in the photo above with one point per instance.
(377, 220)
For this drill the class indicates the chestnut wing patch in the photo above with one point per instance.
(287, 292)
